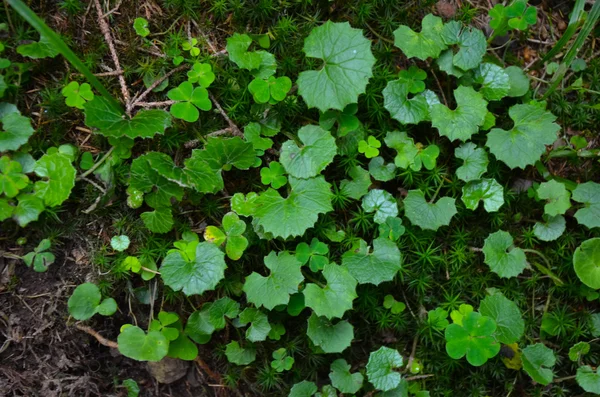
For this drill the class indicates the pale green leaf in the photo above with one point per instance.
(537, 362)
(471, 42)
(428, 215)
(488, 190)
(506, 314)
(588, 379)
(136, 344)
(374, 267)
(551, 229)
(475, 162)
(586, 262)
(502, 256)
(303, 389)
(16, 129)
(332, 338)
(426, 44)
(317, 151)
(465, 120)
(589, 195)
(336, 297)
(380, 368)
(558, 198)
(494, 81)
(382, 203)
(381, 171)
(342, 379)
(358, 186)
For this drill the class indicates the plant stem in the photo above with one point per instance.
(436, 193)
(98, 164)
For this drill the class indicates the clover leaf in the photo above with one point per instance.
(342, 379)
(233, 230)
(197, 274)
(270, 90)
(393, 305)
(317, 151)
(427, 215)
(471, 42)
(486, 189)
(473, 339)
(191, 99)
(202, 74)
(313, 254)
(202, 323)
(475, 162)
(166, 324)
(12, 179)
(239, 355)
(281, 361)
(86, 301)
(392, 229)
(332, 338)
(347, 66)
(259, 324)
(557, 197)
(380, 368)
(426, 44)
(382, 203)
(502, 256)
(274, 175)
(60, 175)
(438, 319)
(523, 145)
(136, 344)
(291, 216)
(110, 123)
(77, 95)
(551, 229)
(252, 134)
(458, 316)
(506, 314)
(463, 121)
(16, 129)
(192, 46)
(141, 27)
(39, 257)
(588, 379)
(336, 297)
(586, 262)
(402, 108)
(374, 267)
(370, 147)
(520, 16)
(358, 186)
(283, 281)
(589, 195)
(537, 361)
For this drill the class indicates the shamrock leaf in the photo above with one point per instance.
(141, 27)
(39, 258)
(347, 66)
(402, 108)
(252, 134)
(586, 262)
(463, 121)
(332, 338)
(589, 195)
(192, 46)
(473, 338)
(191, 99)
(471, 42)
(458, 316)
(381, 171)
(414, 77)
(380, 368)
(314, 254)
(77, 95)
(237, 48)
(317, 151)
(488, 190)
(346, 119)
(426, 44)
(358, 186)
(501, 256)
(427, 215)
(374, 267)
(12, 179)
(275, 289)
(382, 203)
(202, 323)
(342, 379)
(162, 324)
(86, 301)
(271, 90)
(202, 74)
(494, 81)
(588, 379)
(60, 180)
(281, 361)
(274, 175)
(558, 198)
(537, 359)
(498, 20)
(119, 243)
(136, 344)
(395, 307)
(523, 145)
(475, 162)
(551, 229)
(239, 355)
(520, 16)
(578, 350)
(303, 389)
(506, 314)
(16, 129)
(370, 147)
(336, 297)
(194, 275)
(291, 216)
(438, 319)
(145, 124)
(234, 229)
(259, 324)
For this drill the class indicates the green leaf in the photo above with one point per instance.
(426, 44)
(119, 243)
(237, 48)
(374, 267)
(578, 350)
(358, 186)
(486, 189)
(201, 273)
(183, 348)
(342, 379)
(110, 123)
(60, 180)
(332, 338)
(395, 307)
(191, 99)
(404, 146)
(402, 108)
(588, 379)
(282, 362)
(16, 129)
(244, 205)
(291, 216)
(259, 324)
(274, 175)
(37, 50)
(141, 27)
(427, 215)
(28, 209)
(77, 95)
(519, 82)
(589, 195)
(381, 171)
(133, 390)
(438, 319)
(370, 147)
(506, 314)
(202, 74)
(158, 221)
(252, 134)
(473, 339)
(475, 162)
(586, 262)
(86, 301)
(303, 389)
(557, 196)
(347, 66)
(317, 151)
(550, 230)
(224, 153)
(12, 179)
(274, 89)
(494, 81)
(502, 257)
(471, 42)
(336, 297)
(380, 368)
(537, 359)
(6, 210)
(136, 344)
(382, 203)
(283, 281)
(239, 355)
(392, 229)
(524, 144)
(315, 253)
(234, 229)
(463, 121)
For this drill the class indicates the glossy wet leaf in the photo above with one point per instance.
(502, 256)
(552, 228)
(586, 262)
(373, 266)
(488, 190)
(538, 361)
(382, 203)
(463, 121)
(425, 44)
(138, 345)
(558, 198)
(426, 215)
(381, 368)
(332, 338)
(317, 151)
(474, 339)
(335, 298)
(58, 179)
(119, 243)
(475, 162)
(494, 81)
(342, 379)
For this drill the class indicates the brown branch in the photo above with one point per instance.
(155, 104)
(206, 368)
(102, 340)
(144, 94)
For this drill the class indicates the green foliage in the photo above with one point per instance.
(538, 361)
(40, 258)
(380, 368)
(271, 90)
(138, 345)
(141, 27)
(86, 301)
(428, 215)
(313, 254)
(588, 379)
(281, 361)
(587, 194)
(585, 262)
(317, 151)
(231, 235)
(463, 121)
(334, 299)
(509, 321)
(375, 267)
(120, 243)
(77, 95)
(342, 379)
(370, 147)
(501, 256)
(189, 100)
(473, 338)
